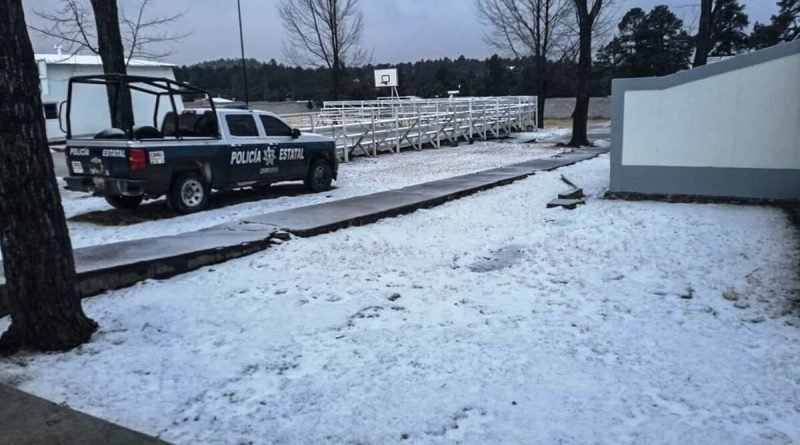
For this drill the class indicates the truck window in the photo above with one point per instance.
(192, 124)
(50, 110)
(274, 126)
(242, 125)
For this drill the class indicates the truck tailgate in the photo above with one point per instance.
(98, 161)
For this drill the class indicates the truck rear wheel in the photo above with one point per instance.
(124, 202)
(320, 176)
(189, 193)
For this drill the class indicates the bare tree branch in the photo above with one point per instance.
(539, 28)
(323, 33)
(143, 33)
(536, 28)
(73, 23)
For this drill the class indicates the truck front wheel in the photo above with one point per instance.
(124, 202)
(189, 193)
(320, 176)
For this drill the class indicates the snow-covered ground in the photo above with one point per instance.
(486, 320)
(360, 177)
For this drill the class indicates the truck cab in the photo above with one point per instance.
(192, 152)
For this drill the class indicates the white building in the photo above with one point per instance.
(728, 129)
(90, 104)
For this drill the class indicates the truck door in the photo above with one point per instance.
(290, 153)
(248, 148)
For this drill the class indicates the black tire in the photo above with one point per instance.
(124, 202)
(189, 193)
(319, 177)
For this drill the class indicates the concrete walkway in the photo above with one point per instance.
(29, 420)
(327, 217)
(26, 419)
(117, 265)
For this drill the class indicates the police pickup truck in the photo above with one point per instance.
(192, 152)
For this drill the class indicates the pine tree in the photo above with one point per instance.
(648, 44)
(728, 32)
(783, 27)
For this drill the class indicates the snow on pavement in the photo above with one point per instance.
(360, 177)
(486, 320)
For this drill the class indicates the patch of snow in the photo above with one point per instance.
(544, 135)
(612, 323)
(76, 203)
(602, 143)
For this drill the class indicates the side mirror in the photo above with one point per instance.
(61, 117)
(296, 133)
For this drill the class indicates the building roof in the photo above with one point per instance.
(80, 59)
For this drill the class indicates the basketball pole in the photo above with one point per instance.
(393, 94)
(244, 64)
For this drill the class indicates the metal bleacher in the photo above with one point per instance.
(391, 124)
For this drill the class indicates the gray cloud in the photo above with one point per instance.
(395, 30)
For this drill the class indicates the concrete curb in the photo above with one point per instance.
(118, 265)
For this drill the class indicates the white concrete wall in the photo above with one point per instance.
(746, 118)
(90, 106)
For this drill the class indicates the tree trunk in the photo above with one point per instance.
(333, 10)
(580, 116)
(703, 39)
(540, 102)
(541, 90)
(46, 312)
(112, 53)
(337, 80)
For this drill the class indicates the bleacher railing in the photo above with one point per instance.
(392, 124)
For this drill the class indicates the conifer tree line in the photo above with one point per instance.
(651, 42)
(273, 81)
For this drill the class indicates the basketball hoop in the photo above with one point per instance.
(387, 78)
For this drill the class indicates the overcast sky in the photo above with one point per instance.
(394, 30)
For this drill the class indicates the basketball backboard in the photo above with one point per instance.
(386, 78)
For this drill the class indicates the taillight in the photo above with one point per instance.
(137, 159)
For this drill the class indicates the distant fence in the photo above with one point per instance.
(562, 108)
(389, 125)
